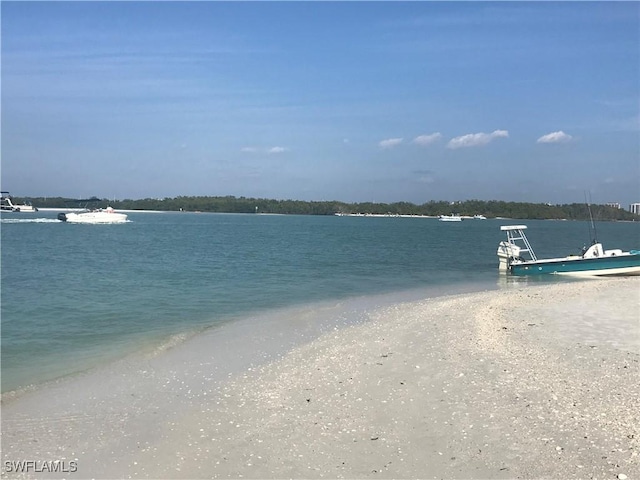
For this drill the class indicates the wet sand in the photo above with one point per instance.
(523, 382)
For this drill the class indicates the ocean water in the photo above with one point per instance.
(78, 296)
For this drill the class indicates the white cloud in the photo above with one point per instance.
(277, 150)
(476, 139)
(555, 137)
(425, 140)
(390, 143)
(270, 150)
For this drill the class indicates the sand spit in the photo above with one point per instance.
(525, 382)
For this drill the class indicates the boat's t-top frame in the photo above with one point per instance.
(515, 233)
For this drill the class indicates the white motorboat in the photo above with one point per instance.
(107, 215)
(450, 218)
(8, 206)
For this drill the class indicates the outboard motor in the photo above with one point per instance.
(62, 217)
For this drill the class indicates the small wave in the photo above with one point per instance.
(30, 220)
(17, 393)
(171, 342)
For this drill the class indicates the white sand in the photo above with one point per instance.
(525, 382)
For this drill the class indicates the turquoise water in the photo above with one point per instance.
(76, 296)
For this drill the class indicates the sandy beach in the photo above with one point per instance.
(523, 382)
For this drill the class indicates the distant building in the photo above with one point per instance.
(614, 205)
(635, 208)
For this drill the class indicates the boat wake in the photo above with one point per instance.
(29, 220)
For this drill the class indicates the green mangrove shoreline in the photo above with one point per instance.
(231, 204)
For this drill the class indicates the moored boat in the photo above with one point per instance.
(450, 218)
(593, 261)
(7, 205)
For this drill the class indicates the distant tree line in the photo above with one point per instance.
(231, 204)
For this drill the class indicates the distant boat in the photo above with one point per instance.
(7, 204)
(479, 217)
(92, 215)
(594, 261)
(107, 215)
(450, 218)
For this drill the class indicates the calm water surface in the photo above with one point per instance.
(75, 296)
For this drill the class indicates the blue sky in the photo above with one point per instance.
(351, 101)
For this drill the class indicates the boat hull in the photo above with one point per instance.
(625, 264)
(93, 217)
(24, 208)
(452, 218)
